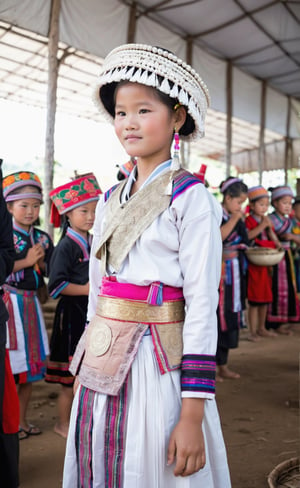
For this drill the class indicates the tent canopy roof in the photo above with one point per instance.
(259, 37)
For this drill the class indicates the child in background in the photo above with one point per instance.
(259, 282)
(233, 279)
(28, 341)
(295, 246)
(9, 402)
(144, 413)
(125, 169)
(285, 305)
(76, 202)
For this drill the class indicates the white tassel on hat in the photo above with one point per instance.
(162, 70)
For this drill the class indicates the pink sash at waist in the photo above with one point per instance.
(154, 294)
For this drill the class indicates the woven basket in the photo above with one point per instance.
(285, 475)
(264, 256)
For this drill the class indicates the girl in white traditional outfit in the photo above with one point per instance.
(144, 414)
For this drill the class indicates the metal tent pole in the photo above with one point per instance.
(261, 149)
(287, 140)
(229, 116)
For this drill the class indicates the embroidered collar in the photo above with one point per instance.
(255, 217)
(162, 168)
(81, 241)
(21, 230)
(226, 215)
(29, 234)
(281, 218)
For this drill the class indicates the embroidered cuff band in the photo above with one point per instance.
(198, 373)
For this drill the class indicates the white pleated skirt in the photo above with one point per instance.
(154, 402)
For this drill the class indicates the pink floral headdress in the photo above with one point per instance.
(77, 192)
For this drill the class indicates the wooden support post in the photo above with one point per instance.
(298, 186)
(51, 109)
(261, 149)
(131, 23)
(229, 116)
(287, 140)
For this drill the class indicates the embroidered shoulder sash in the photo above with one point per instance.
(126, 222)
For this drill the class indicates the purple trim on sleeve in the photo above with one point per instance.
(54, 293)
(198, 373)
(182, 182)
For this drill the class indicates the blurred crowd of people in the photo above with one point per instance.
(261, 298)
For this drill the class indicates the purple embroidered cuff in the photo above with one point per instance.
(54, 293)
(198, 373)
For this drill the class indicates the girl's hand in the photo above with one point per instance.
(35, 253)
(41, 264)
(266, 222)
(186, 448)
(41, 261)
(237, 215)
(289, 236)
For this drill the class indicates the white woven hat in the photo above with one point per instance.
(158, 68)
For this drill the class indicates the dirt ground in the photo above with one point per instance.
(259, 414)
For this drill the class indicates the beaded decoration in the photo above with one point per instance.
(157, 68)
(176, 155)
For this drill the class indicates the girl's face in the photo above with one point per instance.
(82, 218)
(25, 211)
(283, 205)
(143, 124)
(260, 206)
(234, 204)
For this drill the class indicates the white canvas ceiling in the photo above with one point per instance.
(260, 38)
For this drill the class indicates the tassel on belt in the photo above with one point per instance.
(137, 311)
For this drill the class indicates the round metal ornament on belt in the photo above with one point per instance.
(101, 337)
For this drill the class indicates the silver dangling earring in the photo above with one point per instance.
(175, 164)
